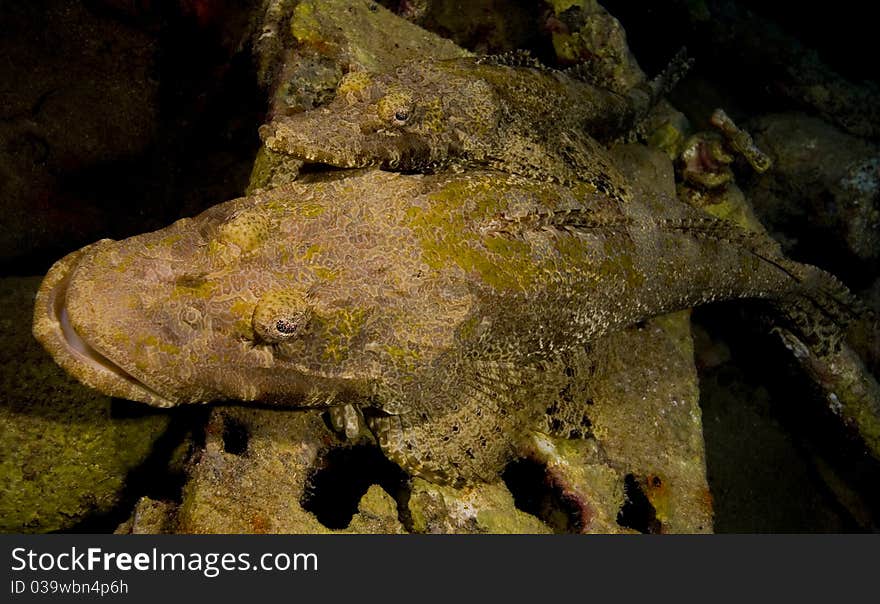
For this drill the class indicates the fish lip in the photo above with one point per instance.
(75, 354)
(287, 138)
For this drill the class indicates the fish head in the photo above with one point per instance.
(420, 117)
(303, 296)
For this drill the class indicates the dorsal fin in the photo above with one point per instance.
(570, 219)
(584, 73)
(709, 227)
(513, 58)
(639, 100)
(677, 67)
(655, 88)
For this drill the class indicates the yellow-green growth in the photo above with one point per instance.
(560, 6)
(190, 287)
(433, 119)
(242, 313)
(248, 231)
(154, 342)
(668, 139)
(311, 252)
(310, 210)
(304, 25)
(354, 83)
(448, 238)
(338, 328)
(325, 274)
(405, 358)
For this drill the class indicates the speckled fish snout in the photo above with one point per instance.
(63, 308)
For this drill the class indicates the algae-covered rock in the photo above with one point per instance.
(666, 129)
(584, 492)
(377, 513)
(583, 32)
(149, 517)
(260, 468)
(331, 37)
(646, 416)
(66, 449)
(366, 34)
(481, 508)
(825, 184)
(251, 473)
(726, 202)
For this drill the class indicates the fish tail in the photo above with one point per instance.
(824, 309)
(816, 304)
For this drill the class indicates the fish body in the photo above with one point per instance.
(507, 113)
(448, 308)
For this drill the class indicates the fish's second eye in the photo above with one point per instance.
(395, 108)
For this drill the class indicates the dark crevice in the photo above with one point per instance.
(235, 436)
(761, 415)
(335, 487)
(318, 168)
(637, 512)
(535, 493)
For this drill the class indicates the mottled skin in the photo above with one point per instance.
(452, 310)
(506, 113)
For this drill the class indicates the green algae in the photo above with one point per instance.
(338, 328)
(65, 455)
(447, 237)
(272, 169)
(482, 508)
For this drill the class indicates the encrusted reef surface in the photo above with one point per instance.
(67, 449)
(826, 184)
(640, 469)
(638, 466)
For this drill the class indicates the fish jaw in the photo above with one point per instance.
(55, 329)
(354, 143)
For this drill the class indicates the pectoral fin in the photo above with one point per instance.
(470, 427)
(348, 420)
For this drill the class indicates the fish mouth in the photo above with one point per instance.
(83, 360)
(292, 138)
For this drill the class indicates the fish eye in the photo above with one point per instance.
(289, 326)
(396, 108)
(280, 316)
(280, 328)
